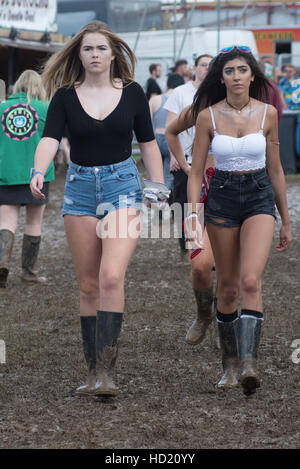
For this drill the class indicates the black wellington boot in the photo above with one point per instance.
(249, 338)
(88, 332)
(6, 246)
(30, 252)
(108, 331)
(228, 333)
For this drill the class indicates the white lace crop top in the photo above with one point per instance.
(239, 153)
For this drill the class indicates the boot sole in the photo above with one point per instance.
(26, 280)
(85, 393)
(105, 393)
(196, 342)
(250, 384)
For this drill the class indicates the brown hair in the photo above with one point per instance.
(64, 68)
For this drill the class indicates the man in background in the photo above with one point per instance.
(152, 88)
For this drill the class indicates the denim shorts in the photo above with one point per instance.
(234, 197)
(97, 190)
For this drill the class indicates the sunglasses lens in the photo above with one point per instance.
(225, 50)
(244, 48)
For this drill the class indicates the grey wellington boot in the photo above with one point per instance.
(6, 246)
(108, 331)
(228, 333)
(205, 316)
(249, 338)
(30, 252)
(88, 332)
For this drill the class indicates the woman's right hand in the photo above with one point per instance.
(36, 186)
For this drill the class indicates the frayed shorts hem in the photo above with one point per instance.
(232, 223)
(135, 206)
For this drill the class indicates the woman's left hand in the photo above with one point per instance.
(285, 238)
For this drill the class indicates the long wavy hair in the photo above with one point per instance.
(30, 82)
(64, 68)
(211, 90)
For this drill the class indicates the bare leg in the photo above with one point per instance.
(9, 216)
(226, 248)
(34, 219)
(86, 250)
(256, 240)
(117, 251)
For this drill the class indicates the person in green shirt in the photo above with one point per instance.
(22, 121)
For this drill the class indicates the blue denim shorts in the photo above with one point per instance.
(96, 190)
(234, 197)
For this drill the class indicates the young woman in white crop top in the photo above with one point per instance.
(240, 207)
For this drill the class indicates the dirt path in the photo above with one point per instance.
(168, 395)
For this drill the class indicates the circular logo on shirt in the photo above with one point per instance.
(19, 122)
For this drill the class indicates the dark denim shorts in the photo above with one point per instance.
(234, 197)
(97, 190)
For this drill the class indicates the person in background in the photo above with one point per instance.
(274, 94)
(289, 86)
(180, 144)
(159, 116)
(181, 67)
(97, 99)
(23, 117)
(2, 90)
(152, 88)
(62, 157)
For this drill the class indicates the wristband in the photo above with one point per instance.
(33, 172)
(193, 215)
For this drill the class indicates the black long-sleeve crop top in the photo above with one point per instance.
(100, 142)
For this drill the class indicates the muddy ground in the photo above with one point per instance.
(168, 396)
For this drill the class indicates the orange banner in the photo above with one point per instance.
(265, 38)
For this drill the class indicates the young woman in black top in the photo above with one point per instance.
(96, 97)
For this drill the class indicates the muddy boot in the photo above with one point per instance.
(30, 251)
(6, 246)
(197, 330)
(228, 333)
(249, 338)
(88, 331)
(108, 330)
(214, 333)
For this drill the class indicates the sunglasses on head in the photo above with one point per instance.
(225, 50)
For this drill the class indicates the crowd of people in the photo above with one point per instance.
(216, 116)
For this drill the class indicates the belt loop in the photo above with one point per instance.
(112, 168)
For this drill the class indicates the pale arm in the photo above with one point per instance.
(152, 160)
(200, 152)
(44, 155)
(174, 126)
